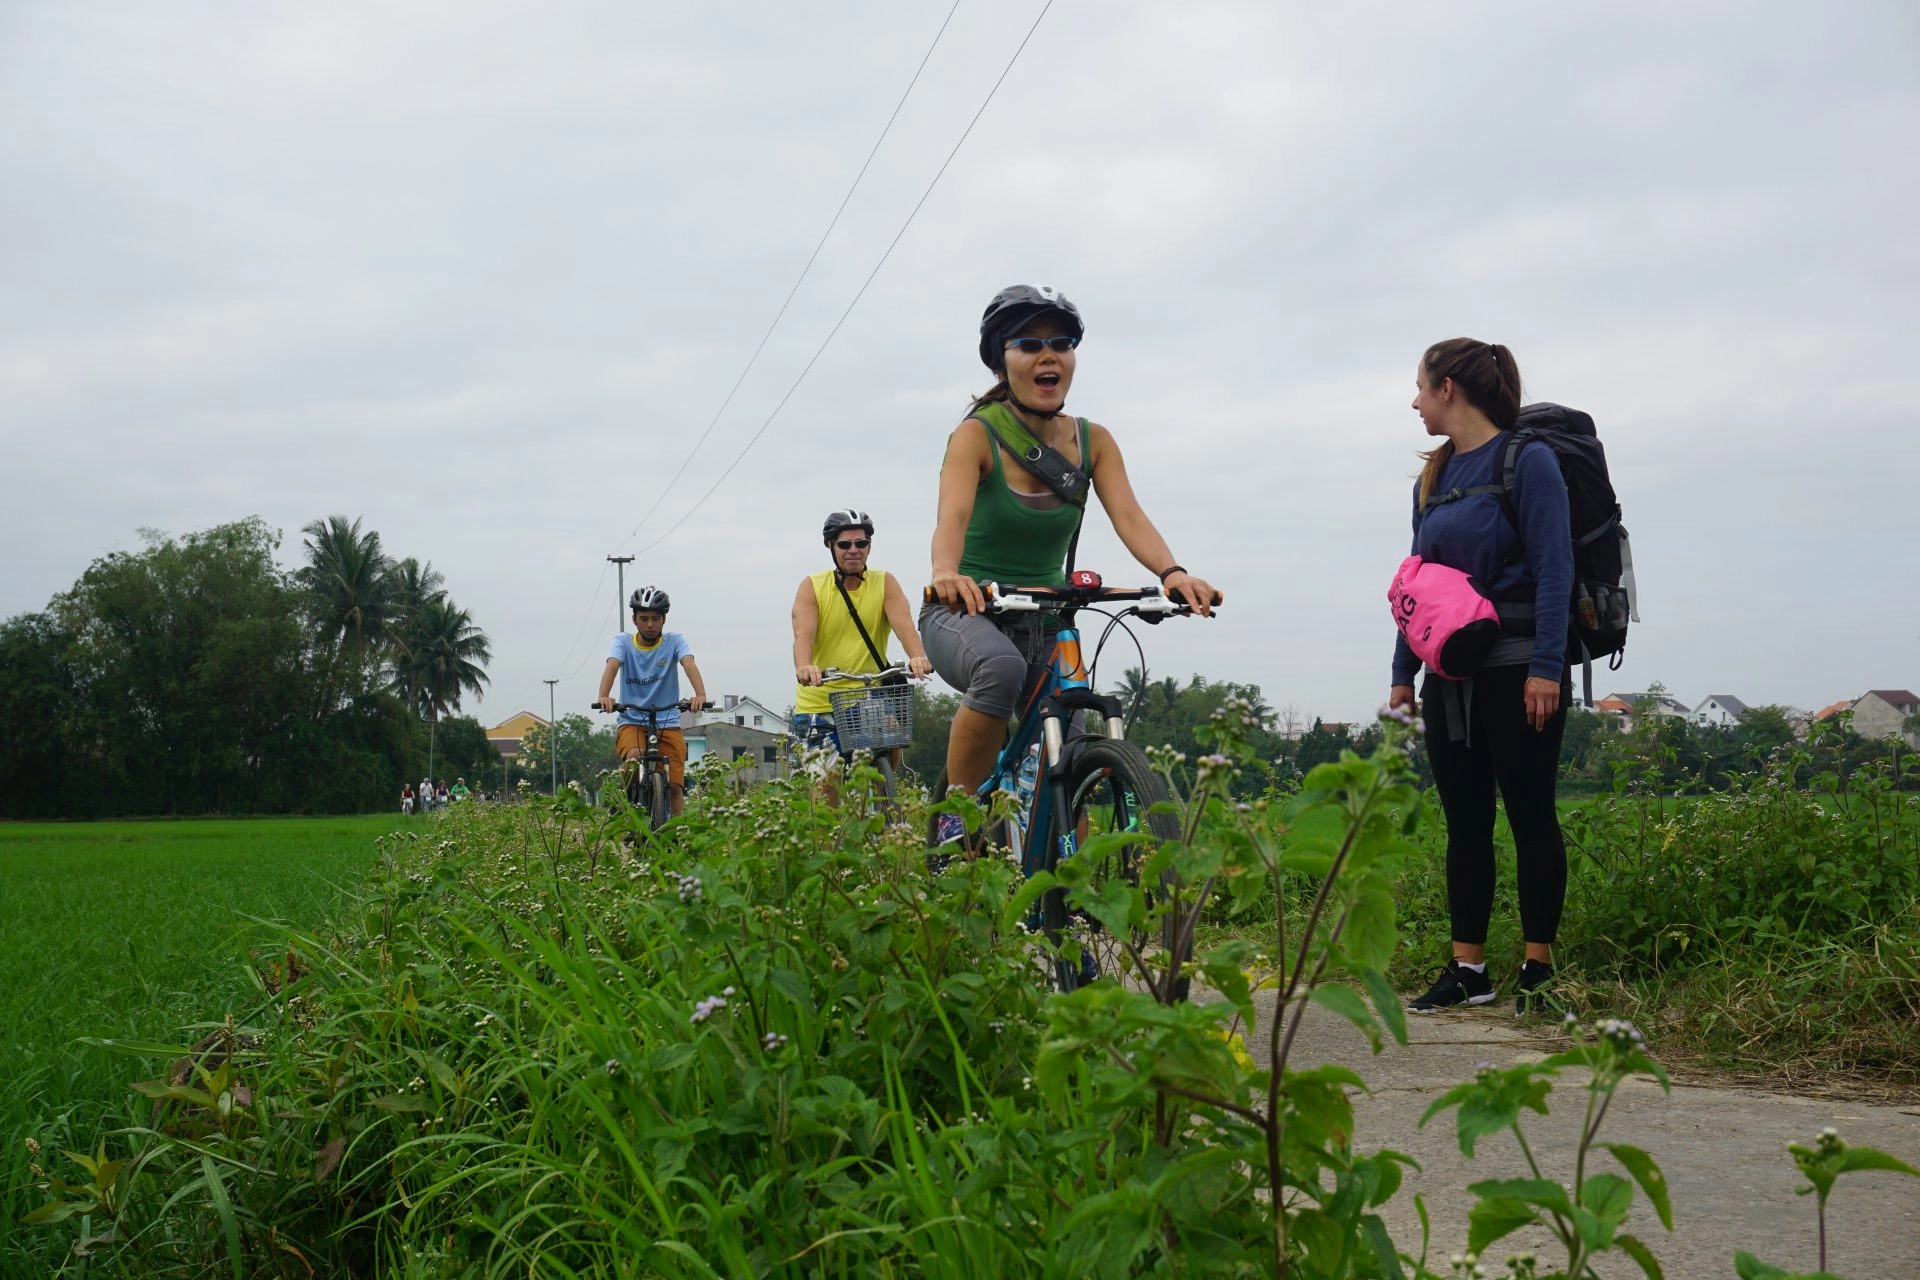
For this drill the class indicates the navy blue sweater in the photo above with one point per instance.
(1474, 536)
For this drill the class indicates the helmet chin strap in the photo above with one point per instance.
(1042, 414)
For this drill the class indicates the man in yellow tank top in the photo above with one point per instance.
(825, 633)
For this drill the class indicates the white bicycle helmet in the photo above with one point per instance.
(650, 598)
(847, 518)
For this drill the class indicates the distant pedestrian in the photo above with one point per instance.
(1500, 728)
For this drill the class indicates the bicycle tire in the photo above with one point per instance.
(653, 790)
(1112, 787)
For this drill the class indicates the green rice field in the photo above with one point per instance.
(140, 931)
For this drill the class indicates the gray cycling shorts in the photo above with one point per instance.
(975, 657)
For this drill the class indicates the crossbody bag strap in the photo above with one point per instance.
(878, 661)
(1073, 495)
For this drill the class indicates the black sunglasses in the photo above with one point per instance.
(848, 544)
(1034, 346)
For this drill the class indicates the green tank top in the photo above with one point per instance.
(1011, 543)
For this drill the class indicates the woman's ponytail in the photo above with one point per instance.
(1487, 375)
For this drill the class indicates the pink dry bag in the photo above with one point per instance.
(1448, 622)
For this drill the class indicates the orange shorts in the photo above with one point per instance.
(673, 745)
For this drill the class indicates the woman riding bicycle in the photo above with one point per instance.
(1001, 521)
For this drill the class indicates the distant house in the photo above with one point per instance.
(1648, 704)
(741, 712)
(1614, 705)
(509, 733)
(1882, 713)
(1829, 712)
(766, 748)
(1720, 710)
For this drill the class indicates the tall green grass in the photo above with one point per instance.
(140, 931)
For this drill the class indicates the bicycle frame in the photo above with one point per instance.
(1058, 688)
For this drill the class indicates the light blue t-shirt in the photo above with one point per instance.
(650, 677)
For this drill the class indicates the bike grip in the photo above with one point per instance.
(1174, 595)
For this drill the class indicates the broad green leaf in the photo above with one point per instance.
(1633, 1248)
(1369, 938)
(1648, 1175)
(1117, 905)
(792, 986)
(1541, 1191)
(1384, 1254)
(1386, 1003)
(1608, 1197)
(1022, 902)
(57, 1211)
(1321, 1237)
(1872, 1158)
(1346, 1002)
(1491, 1220)
(1748, 1267)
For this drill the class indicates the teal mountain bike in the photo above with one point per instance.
(1076, 778)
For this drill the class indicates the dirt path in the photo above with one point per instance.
(1723, 1151)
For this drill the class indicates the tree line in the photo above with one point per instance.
(196, 676)
(1594, 749)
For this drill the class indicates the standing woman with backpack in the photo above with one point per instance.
(1500, 728)
(1001, 520)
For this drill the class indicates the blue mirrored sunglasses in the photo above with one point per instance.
(1033, 346)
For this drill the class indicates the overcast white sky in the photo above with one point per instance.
(481, 273)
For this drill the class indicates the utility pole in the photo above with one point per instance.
(620, 608)
(553, 737)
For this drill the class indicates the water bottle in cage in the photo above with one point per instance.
(1029, 776)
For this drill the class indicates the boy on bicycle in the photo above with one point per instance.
(649, 663)
(843, 617)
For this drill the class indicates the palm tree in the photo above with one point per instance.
(348, 578)
(414, 587)
(446, 658)
(1133, 690)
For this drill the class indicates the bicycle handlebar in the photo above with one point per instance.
(1150, 602)
(864, 677)
(685, 704)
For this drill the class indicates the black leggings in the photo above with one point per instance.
(1524, 762)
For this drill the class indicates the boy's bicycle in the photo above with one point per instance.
(877, 718)
(1075, 778)
(647, 785)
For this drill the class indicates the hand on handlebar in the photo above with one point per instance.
(1187, 589)
(920, 668)
(958, 592)
(695, 704)
(606, 702)
(808, 674)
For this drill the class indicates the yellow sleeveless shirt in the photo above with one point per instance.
(837, 642)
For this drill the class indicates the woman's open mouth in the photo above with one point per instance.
(1046, 381)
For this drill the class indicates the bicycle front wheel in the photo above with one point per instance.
(653, 798)
(1111, 788)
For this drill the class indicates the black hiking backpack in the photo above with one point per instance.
(1603, 587)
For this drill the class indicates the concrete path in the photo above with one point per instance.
(1723, 1151)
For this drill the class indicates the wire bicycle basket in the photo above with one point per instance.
(873, 719)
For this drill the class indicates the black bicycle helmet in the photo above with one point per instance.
(1013, 309)
(846, 518)
(650, 598)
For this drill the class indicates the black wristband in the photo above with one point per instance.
(1172, 568)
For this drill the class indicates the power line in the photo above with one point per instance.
(745, 449)
(793, 292)
(765, 337)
